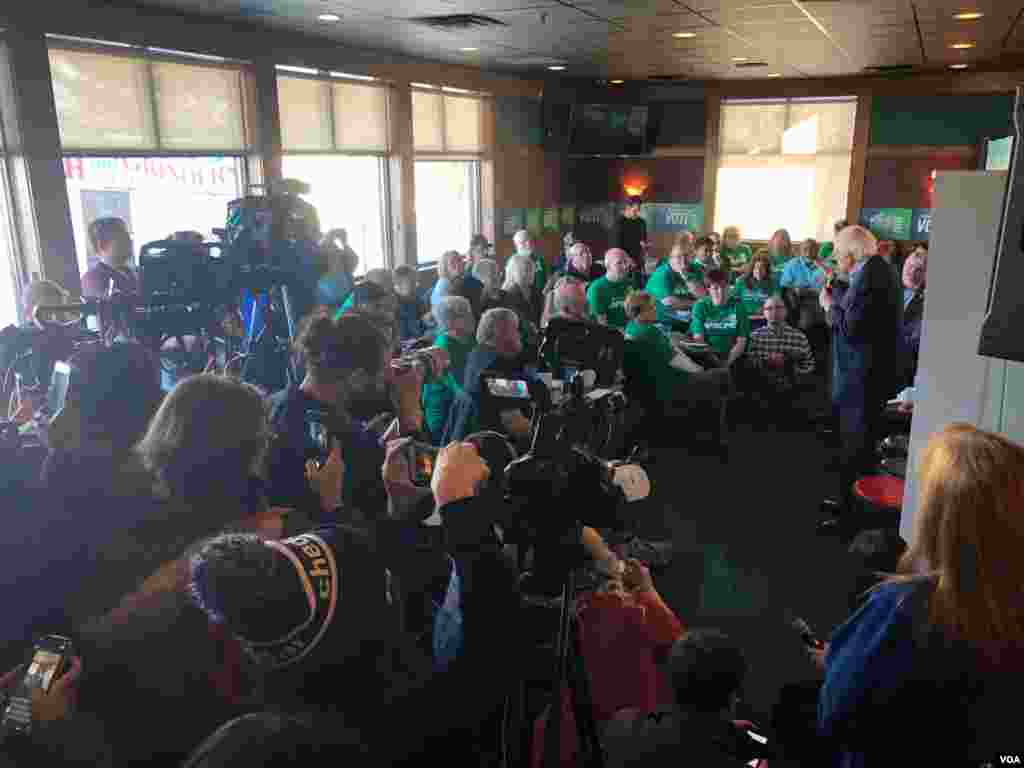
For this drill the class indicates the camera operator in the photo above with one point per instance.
(346, 359)
(112, 243)
(499, 349)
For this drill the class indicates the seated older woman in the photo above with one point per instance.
(489, 275)
(456, 327)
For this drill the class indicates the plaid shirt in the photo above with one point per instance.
(784, 338)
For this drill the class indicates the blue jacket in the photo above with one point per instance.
(866, 328)
(895, 685)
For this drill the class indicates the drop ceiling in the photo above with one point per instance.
(633, 39)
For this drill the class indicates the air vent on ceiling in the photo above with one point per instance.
(458, 21)
(749, 64)
(891, 68)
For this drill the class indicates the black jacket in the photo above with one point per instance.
(913, 319)
(866, 326)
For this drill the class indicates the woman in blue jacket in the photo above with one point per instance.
(932, 665)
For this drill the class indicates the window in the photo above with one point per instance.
(335, 138)
(9, 305)
(348, 192)
(157, 196)
(159, 141)
(784, 164)
(447, 206)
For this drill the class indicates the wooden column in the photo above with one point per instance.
(268, 120)
(711, 153)
(859, 157)
(402, 174)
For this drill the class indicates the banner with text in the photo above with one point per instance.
(675, 217)
(888, 223)
(921, 226)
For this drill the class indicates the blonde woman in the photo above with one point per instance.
(939, 647)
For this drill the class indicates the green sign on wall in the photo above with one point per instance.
(535, 220)
(888, 223)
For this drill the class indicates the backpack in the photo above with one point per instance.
(448, 622)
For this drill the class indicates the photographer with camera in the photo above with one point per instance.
(112, 243)
(347, 360)
(499, 349)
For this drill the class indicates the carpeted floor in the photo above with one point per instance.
(747, 558)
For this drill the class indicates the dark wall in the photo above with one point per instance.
(663, 179)
(940, 120)
(905, 182)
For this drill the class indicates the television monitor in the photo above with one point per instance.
(609, 129)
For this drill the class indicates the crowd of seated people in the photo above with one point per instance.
(217, 552)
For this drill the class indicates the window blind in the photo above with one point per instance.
(320, 115)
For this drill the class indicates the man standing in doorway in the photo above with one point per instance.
(631, 237)
(113, 273)
(866, 326)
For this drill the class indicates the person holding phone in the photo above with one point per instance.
(346, 359)
(454, 317)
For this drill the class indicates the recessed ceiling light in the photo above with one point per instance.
(684, 35)
(469, 50)
(616, 82)
(958, 66)
(739, 58)
(773, 74)
(328, 17)
(968, 15)
(556, 67)
(962, 46)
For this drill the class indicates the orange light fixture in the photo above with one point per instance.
(962, 46)
(634, 191)
(968, 15)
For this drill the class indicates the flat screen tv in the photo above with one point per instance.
(609, 129)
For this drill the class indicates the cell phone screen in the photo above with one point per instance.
(424, 458)
(42, 670)
(58, 391)
(514, 388)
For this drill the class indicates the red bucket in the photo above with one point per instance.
(883, 491)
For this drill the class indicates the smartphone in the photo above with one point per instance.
(424, 457)
(50, 659)
(58, 392)
(319, 437)
(514, 388)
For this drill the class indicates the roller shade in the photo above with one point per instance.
(446, 123)
(132, 103)
(329, 116)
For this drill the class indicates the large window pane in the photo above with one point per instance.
(752, 128)
(447, 206)
(348, 192)
(199, 107)
(155, 195)
(8, 286)
(305, 112)
(427, 121)
(102, 101)
(360, 117)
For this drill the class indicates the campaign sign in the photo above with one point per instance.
(888, 223)
(676, 217)
(922, 224)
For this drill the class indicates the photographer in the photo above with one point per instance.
(347, 360)
(707, 670)
(499, 349)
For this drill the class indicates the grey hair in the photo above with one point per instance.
(381, 277)
(487, 272)
(520, 237)
(857, 241)
(561, 299)
(491, 322)
(451, 307)
(519, 271)
(442, 265)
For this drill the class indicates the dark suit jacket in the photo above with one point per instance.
(866, 327)
(913, 316)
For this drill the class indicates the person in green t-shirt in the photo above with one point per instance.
(827, 250)
(757, 285)
(738, 254)
(606, 296)
(703, 256)
(676, 378)
(454, 316)
(720, 320)
(668, 285)
(780, 249)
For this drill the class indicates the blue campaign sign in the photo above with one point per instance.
(921, 226)
(603, 215)
(888, 223)
(677, 217)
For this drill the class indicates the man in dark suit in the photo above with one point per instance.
(913, 278)
(866, 345)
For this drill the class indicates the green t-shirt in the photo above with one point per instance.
(753, 298)
(541, 275)
(720, 326)
(663, 283)
(651, 355)
(825, 252)
(739, 255)
(609, 299)
(438, 395)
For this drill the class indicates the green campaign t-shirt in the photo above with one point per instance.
(607, 298)
(753, 298)
(739, 255)
(652, 356)
(720, 325)
(438, 395)
(825, 252)
(663, 283)
(541, 275)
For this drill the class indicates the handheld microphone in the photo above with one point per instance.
(806, 634)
